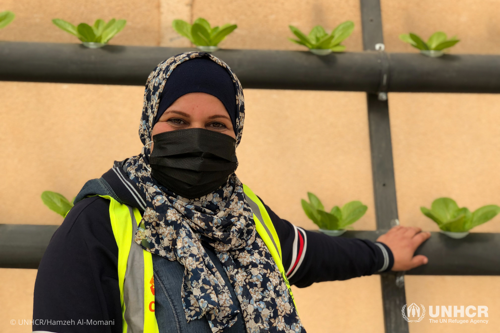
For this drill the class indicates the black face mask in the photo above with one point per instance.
(193, 162)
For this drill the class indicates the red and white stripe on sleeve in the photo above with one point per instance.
(299, 251)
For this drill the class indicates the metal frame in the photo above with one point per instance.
(22, 246)
(384, 184)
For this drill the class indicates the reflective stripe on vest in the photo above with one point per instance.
(135, 266)
(267, 232)
(135, 271)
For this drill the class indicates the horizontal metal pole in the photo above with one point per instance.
(476, 254)
(260, 69)
(22, 246)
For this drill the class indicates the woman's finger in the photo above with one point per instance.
(418, 261)
(397, 228)
(412, 231)
(420, 238)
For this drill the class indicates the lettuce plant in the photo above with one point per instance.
(93, 36)
(434, 46)
(202, 34)
(320, 42)
(337, 218)
(57, 202)
(5, 18)
(449, 217)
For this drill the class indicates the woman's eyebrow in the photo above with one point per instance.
(219, 116)
(178, 112)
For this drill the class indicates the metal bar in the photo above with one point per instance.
(384, 187)
(394, 298)
(476, 254)
(450, 73)
(371, 19)
(23, 245)
(386, 210)
(131, 65)
(260, 69)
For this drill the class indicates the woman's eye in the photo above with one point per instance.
(176, 121)
(217, 125)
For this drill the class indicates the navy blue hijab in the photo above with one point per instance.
(199, 75)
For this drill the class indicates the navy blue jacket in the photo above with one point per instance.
(77, 280)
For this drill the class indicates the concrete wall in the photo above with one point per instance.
(57, 136)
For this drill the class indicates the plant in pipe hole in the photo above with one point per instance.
(434, 46)
(95, 36)
(338, 219)
(57, 202)
(320, 42)
(202, 34)
(452, 219)
(5, 18)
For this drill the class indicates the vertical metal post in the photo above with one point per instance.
(384, 186)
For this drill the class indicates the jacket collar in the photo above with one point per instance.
(116, 184)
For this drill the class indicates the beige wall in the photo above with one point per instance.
(445, 145)
(57, 136)
(474, 22)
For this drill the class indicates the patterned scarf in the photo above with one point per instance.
(173, 227)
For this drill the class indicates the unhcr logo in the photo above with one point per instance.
(413, 313)
(448, 314)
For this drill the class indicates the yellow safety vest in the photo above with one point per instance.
(137, 293)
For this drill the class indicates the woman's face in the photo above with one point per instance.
(195, 110)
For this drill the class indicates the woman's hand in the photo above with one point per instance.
(403, 241)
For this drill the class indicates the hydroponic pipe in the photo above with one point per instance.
(260, 69)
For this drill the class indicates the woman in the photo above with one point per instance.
(170, 240)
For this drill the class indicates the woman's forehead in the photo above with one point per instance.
(199, 104)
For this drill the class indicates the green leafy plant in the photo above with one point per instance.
(201, 33)
(57, 202)
(449, 217)
(437, 42)
(337, 218)
(319, 39)
(5, 18)
(99, 34)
